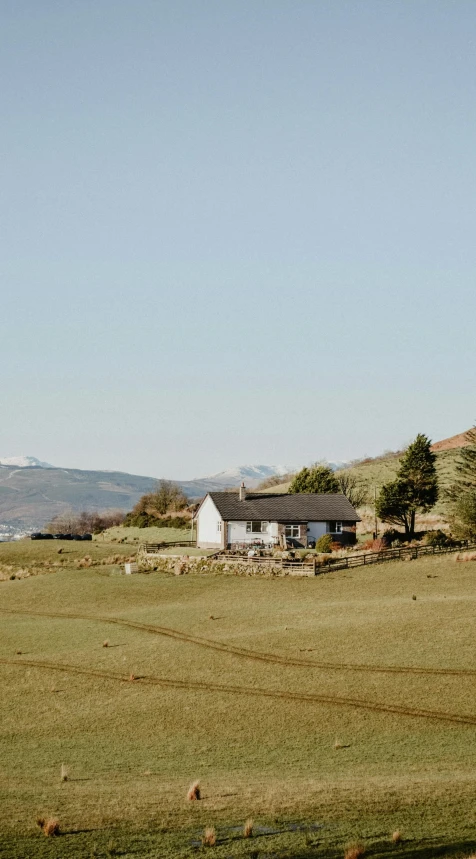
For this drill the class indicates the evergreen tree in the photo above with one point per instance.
(319, 479)
(463, 516)
(465, 468)
(415, 489)
(462, 493)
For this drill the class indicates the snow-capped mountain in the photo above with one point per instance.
(250, 474)
(24, 462)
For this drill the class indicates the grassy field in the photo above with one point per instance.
(329, 710)
(134, 536)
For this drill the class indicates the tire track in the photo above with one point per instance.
(202, 686)
(245, 653)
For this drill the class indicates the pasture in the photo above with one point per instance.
(334, 709)
(130, 534)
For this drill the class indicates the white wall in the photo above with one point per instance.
(316, 530)
(237, 533)
(207, 520)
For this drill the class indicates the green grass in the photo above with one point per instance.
(29, 558)
(121, 534)
(263, 746)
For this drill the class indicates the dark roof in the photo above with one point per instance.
(302, 507)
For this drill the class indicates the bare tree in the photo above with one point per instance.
(352, 488)
(85, 522)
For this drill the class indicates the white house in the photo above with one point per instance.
(233, 520)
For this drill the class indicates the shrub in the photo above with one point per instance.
(391, 535)
(324, 543)
(379, 544)
(438, 538)
(149, 520)
(248, 828)
(194, 791)
(49, 825)
(354, 851)
(209, 837)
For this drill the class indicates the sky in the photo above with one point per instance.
(235, 232)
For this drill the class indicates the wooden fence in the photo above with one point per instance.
(404, 553)
(153, 548)
(313, 565)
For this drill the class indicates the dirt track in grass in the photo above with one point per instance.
(201, 686)
(246, 653)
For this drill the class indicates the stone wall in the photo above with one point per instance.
(196, 565)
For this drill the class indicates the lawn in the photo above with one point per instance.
(247, 684)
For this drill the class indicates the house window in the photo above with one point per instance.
(257, 527)
(334, 527)
(292, 530)
(218, 526)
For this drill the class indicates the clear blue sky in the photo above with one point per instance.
(235, 231)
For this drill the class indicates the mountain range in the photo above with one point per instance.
(32, 492)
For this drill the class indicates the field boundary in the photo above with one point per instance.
(313, 565)
(408, 553)
(153, 548)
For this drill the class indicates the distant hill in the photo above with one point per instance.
(30, 495)
(452, 443)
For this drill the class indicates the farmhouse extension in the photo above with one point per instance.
(236, 520)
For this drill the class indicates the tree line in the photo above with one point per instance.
(84, 522)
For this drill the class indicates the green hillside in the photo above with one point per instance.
(374, 473)
(358, 722)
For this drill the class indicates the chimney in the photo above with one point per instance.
(242, 491)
